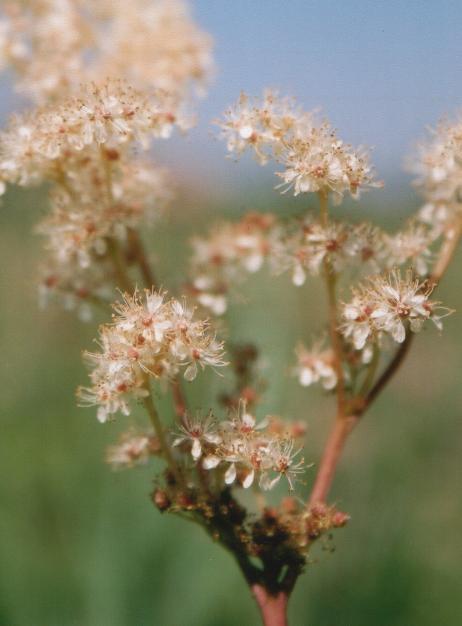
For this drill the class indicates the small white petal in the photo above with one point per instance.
(246, 131)
(398, 332)
(299, 276)
(248, 480)
(196, 449)
(230, 475)
(306, 377)
(210, 462)
(191, 372)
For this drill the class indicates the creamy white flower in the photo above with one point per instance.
(315, 365)
(198, 432)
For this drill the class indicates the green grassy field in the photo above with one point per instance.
(83, 546)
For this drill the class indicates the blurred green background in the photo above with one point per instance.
(81, 545)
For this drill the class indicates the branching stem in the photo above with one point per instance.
(343, 425)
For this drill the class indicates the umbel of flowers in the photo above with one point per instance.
(108, 80)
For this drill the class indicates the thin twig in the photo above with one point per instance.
(158, 429)
(146, 270)
(116, 255)
(336, 340)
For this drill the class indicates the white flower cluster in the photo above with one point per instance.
(92, 207)
(314, 158)
(438, 165)
(152, 43)
(389, 305)
(150, 337)
(306, 246)
(315, 365)
(112, 114)
(242, 450)
(410, 245)
(262, 126)
(230, 251)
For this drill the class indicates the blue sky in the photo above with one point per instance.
(381, 70)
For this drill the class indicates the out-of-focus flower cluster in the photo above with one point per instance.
(438, 166)
(302, 248)
(243, 450)
(315, 365)
(227, 254)
(150, 337)
(133, 448)
(314, 158)
(99, 191)
(55, 45)
(389, 305)
(50, 142)
(107, 79)
(94, 207)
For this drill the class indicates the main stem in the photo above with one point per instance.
(273, 608)
(341, 428)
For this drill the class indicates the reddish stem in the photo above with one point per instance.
(273, 608)
(341, 428)
(179, 401)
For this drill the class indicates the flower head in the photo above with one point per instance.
(389, 305)
(110, 115)
(149, 337)
(241, 450)
(315, 160)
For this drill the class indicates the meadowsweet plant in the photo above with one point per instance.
(108, 80)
